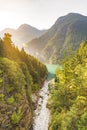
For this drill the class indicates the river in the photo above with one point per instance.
(41, 118)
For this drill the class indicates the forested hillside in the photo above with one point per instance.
(68, 102)
(67, 32)
(20, 76)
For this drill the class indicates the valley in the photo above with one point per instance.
(42, 113)
(43, 76)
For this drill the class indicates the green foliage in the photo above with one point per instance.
(26, 73)
(82, 123)
(1, 80)
(13, 76)
(10, 100)
(69, 98)
(16, 116)
(35, 88)
(1, 48)
(19, 68)
(2, 97)
(20, 73)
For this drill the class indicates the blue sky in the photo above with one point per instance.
(39, 13)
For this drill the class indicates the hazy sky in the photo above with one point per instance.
(38, 13)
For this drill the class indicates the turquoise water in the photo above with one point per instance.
(52, 70)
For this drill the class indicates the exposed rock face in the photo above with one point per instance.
(16, 117)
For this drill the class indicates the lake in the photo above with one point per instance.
(52, 70)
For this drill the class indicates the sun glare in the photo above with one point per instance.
(8, 19)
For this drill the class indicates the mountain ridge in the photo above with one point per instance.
(22, 34)
(68, 31)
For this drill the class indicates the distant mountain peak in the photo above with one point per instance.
(23, 25)
(69, 17)
(68, 31)
(74, 14)
(26, 26)
(23, 34)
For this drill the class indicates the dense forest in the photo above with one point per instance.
(20, 76)
(68, 100)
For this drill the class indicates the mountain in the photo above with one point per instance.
(23, 34)
(67, 32)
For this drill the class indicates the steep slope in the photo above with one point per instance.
(69, 94)
(68, 31)
(21, 76)
(23, 34)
